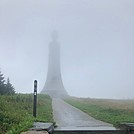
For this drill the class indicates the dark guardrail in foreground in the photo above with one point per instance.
(90, 132)
(124, 128)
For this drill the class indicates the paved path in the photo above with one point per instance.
(70, 118)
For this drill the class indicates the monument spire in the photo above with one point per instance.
(54, 85)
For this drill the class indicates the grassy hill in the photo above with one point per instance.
(16, 112)
(112, 111)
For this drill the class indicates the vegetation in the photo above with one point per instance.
(44, 109)
(16, 112)
(112, 111)
(6, 89)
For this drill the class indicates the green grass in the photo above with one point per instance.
(44, 109)
(111, 111)
(16, 112)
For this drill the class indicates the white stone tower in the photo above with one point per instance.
(54, 85)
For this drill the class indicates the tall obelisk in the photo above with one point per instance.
(54, 85)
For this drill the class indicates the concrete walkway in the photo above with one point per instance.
(68, 117)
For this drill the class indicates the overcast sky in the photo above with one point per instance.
(97, 45)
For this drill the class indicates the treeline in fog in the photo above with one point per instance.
(6, 88)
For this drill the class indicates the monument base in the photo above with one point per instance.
(56, 93)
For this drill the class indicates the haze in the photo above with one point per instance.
(97, 45)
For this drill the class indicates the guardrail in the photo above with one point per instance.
(90, 132)
(124, 128)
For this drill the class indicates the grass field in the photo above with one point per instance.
(16, 112)
(111, 111)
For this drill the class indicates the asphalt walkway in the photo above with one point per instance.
(68, 117)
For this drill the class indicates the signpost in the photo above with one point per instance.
(35, 98)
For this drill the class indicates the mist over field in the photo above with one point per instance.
(96, 38)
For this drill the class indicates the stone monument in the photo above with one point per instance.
(54, 86)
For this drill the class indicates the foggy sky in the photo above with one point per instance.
(97, 45)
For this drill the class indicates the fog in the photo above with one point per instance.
(97, 45)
